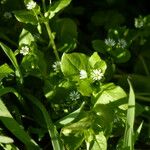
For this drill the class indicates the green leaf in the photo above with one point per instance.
(69, 118)
(15, 128)
(5, 90)
(138, 131)
(121, 55)
(26, 16)
(59, 5)
(73, 140)
(85, 87)
(66, 31)
(97, 63)
(110, 93)
(13, 60)
(6, 139)
(53, 133)
(25, 38)
(71, 64)
(99, 46)
(73, 134)
(4, 71)
(100, 142)
(35, 64)
(129, 133)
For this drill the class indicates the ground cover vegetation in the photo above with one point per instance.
(74, 75)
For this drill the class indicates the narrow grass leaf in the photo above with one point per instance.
(138, 131)
(129, 133)
(17, 130)
(54, 135)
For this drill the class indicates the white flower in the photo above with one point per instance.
(74, 95)
(83, 74)
(122, 43)
(7, 15)
(31, 5)
(24, 50)
(96, 74)
(110, 42)
(56, 66)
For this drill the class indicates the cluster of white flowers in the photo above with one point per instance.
(7, 15)
(110, 42)
(56, 66)
(24, 50)
(122, 43)
(74, 95)
(139, 22)
(97, 74)
(31, 5)
(83, 74)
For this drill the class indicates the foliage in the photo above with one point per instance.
(64, 73)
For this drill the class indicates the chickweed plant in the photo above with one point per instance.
(71, 84)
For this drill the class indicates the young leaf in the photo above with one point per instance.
(4, 71)
(59, 5)
(13, 59)
(129, 133)
(97, 63)
(25, 38)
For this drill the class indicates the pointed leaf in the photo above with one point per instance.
(59, 5)
(13, 59)
(4, 71)
(15, 128)
(129, 133)
(71, 64)
(25, 16)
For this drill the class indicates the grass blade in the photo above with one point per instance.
(54, 135)
(12, 125)
(129, 133)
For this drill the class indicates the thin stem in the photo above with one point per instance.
(52, 40)
(143, 94)
(144, 65)
(146, 99)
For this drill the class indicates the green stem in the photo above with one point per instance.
(44, 6)
(146, 99)
(143, 94)
(144, 65)
(52, 40)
